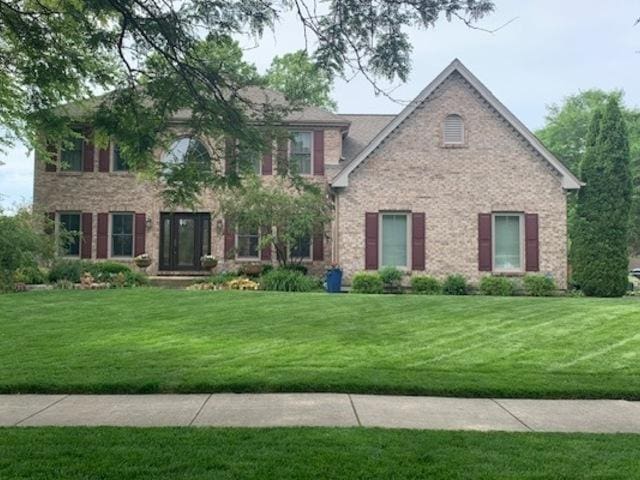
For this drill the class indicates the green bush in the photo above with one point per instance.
(455, 285)
(66, 269)
(287, 280)
(29, 275)
(391, 277)
(496, 286)
(367, 283)
(221, 278)
(294, 267)
(539, 285)
(425, 285)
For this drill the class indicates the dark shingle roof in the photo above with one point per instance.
(362, 130)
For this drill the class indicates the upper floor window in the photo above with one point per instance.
(300, 158)
(71, 156)
(249, 160)
(188, 150)
(118, 163)
(453, 130)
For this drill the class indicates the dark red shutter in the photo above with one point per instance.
(88, 152)
(51, 164)
(318, 245)
(102, 236)
(531, 247)
(103, 159)
(87, 235)
(229, 240)
(371, 241)
(140, 234)
(267, 160)
(484, 242)
(417, 241)
(265, 254)
(282, 153)
(50, 223)
(318, 152)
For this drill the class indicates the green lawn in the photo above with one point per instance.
(121, 453)
(154, 340)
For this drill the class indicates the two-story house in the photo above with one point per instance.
(454, 183)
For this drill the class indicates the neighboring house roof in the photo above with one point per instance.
(569, 180)
(364, 127)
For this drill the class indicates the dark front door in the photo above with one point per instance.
(184, 239)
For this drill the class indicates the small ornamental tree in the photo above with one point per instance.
(287, 211)
(599, 248)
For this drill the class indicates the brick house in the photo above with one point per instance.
(452, 184)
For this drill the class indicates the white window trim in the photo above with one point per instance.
(311, 147)
(247, 259)
(110, 239)
(463, 132)
(493, 242)
(57, 232)
(406, 267)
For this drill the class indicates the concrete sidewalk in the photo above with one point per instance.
(321, 409)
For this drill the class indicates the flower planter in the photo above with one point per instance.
(209, 262)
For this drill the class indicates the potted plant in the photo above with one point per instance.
(209, 262)
(142, 261)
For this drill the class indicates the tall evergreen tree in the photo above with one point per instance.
(599, 249)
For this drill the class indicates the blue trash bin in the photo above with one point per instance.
(334, 280)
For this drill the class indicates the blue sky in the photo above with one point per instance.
(551, 49)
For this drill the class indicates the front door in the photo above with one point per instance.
(184, 239)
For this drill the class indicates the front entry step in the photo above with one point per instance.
(170, 281)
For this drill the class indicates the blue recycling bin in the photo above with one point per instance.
(334, 280)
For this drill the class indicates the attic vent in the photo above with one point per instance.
(453, 130)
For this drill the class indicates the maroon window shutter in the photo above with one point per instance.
(282, 154)
(103, 159)
(50, 223)
(88, 151)
(318, 152)
(265, 253)
(531, 246)
(140, 234)
(267, 160)
(102, 235)
(229, 240)
(417, 241)
(318, 245)
(371, 241)
(52, 162)
(484, 242)
(87, 235)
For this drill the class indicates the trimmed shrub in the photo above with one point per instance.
(66, 269)
(496, 286)
(391, 277)
(295, 267)
(287, 280)
(455, 285)
(29, 275)
(426, 285)
(367, 283)
(539, 285)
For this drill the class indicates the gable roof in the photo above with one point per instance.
(569, 180)
(361, 131)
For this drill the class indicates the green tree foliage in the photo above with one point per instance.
(150, 55)
(286, 211)
(300, 80)
(565, 134)
(599, 248)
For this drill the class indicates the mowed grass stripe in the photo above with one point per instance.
(154, 340)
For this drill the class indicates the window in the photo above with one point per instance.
(394, 240)
(71, 156)
(247, 242)
(187, 150)
(453, 130)
(250, 160)
(118, 163)
(69, 234)
(121, 234)
(507, 242)
(301, 153)
(302, 249)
